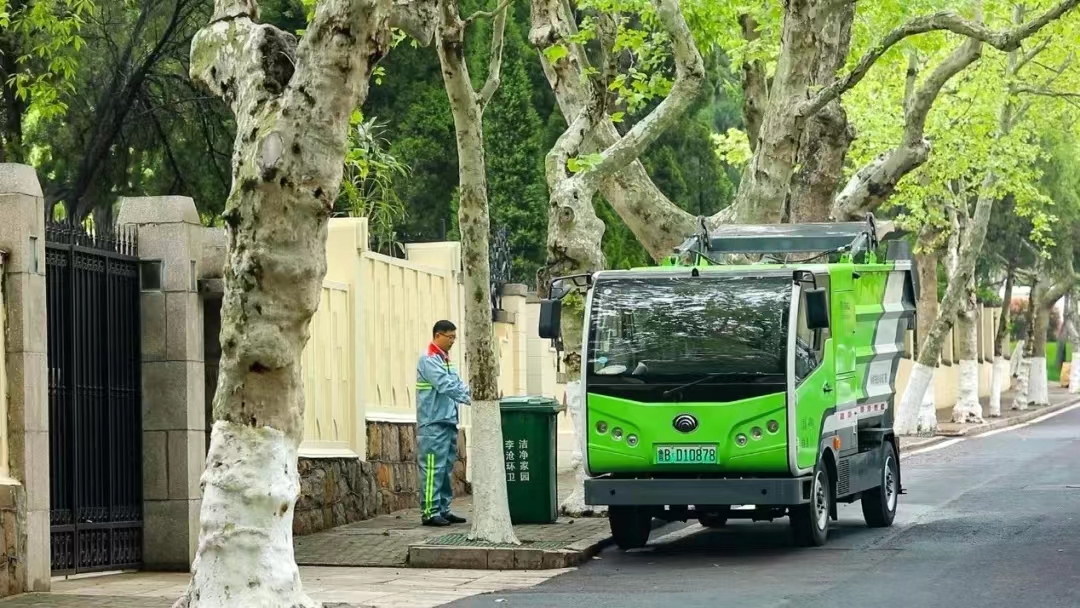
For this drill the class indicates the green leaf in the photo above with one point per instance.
(556, 52)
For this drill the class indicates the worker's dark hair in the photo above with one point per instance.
(441, 327)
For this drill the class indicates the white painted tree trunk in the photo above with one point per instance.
(245, 555)
(574, 504)
(1074, 370)
(292, 103)
(997, 382)
(916, 415)
(967, 408)
(1073, 337)
(491, 512)
(1016, 359)
(1021, 399)
(1038, 383)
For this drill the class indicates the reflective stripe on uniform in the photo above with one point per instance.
(429, 486)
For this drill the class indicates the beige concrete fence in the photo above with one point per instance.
(374, 320)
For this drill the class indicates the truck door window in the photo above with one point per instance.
(809, 345)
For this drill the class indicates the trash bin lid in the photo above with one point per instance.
(531, 403)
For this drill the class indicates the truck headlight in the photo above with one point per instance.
(773, 426)
(616, 433)
(601, 427)
(740, 440)
(631, 440)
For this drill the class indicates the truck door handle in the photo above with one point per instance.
(826, 388)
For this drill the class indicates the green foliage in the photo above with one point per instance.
(516, 194)
(49, 35)
(367, 187)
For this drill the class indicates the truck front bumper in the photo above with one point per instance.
(641, 492)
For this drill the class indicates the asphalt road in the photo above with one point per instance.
(988, 522)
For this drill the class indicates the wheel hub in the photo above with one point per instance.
(821, 502)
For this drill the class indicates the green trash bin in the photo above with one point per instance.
(529, 428)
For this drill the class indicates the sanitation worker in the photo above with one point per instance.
(439, 390)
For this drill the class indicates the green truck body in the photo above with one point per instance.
(709, 386)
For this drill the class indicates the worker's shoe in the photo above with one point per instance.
(454, 519)
(435, 520)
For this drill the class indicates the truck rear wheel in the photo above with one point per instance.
(810, 522)
(879, 504)
(630, 526)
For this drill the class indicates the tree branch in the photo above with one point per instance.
(568, 144)
(1045, 92)
(873, 184)
(689, 76)
(499, 10)
(911, 78)
(951, 21)
(417, 18)
(494, 76)
(755, 88)
(1032, 54)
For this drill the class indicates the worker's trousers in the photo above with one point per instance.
(436, 451)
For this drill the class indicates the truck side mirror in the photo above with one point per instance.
(550, 319)
(817, 308)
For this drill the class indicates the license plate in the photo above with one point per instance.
(686, 454)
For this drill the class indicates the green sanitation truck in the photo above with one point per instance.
(716, 390)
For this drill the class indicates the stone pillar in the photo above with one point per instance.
(514, 296)
(174, 416)
(24, 469)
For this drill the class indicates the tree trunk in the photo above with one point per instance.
(1038, 384)
(1001, 366)
(967, 408)
(292, 104)
(912, 419)
(763, 191)
(1074, 340)
(825, 141)
(1062, 334)
(574, 231)
(924, 416)
(1022, 394)
(491, 513)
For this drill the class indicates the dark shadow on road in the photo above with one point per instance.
(740, 541)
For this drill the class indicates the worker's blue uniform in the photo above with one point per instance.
(439, 390)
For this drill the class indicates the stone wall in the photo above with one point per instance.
(338, 491)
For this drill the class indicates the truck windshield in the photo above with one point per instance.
(648, 337)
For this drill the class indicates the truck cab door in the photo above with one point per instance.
(815, 387)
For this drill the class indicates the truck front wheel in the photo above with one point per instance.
(630, 526)
(810, 522)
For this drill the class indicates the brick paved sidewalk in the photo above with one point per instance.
(384, 541)
(354, 587)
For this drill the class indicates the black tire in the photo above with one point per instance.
(810, 522)
(879, 505)
(630, 526)
(715, 520)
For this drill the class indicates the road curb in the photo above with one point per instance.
(425, 555)
(1005, 422)
(506, 558)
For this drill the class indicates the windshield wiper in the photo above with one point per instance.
(708, 377)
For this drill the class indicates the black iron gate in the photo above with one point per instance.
(95, 399)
